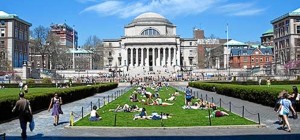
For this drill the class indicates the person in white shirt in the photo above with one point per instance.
(94, 115)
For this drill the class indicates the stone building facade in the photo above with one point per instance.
(150, 45)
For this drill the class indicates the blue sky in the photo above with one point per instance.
(247, 19)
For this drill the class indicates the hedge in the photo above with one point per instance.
(264, 96)
(263, 82)
(43, 85)
(41, 101)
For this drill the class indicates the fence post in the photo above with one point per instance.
(99, 102)
(220, 102)
(212, 99)
(206, 97)
(197, 94)
(81, 112)
(91, 106)
(258, 118)
(115, 123)
(103, 101)
(107, 98)
(201, 96)
(161, 120)
(209, 117)
(229, 106)
(243, 113)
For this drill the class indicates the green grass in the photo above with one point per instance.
(8, 92)
(180, 117)
(281, 87)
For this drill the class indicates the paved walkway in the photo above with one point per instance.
(45, 130)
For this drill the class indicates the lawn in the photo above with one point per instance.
(8, 92)
(180, 117)
(281, 87)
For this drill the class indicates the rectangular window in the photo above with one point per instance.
(298, 30)
(245, 59)
(2, 32)
(297, 20)
(191, 61)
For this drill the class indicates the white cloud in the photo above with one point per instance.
(240, 9)
(170, 8)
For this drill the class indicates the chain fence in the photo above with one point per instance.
(87, 107)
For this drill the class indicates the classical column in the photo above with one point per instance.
(142, 57)
(147, 62)
(136, 57)
(153, 56)
(159, 61)
(131, 57)
(164, 57)
(169, 57)
(174, 56)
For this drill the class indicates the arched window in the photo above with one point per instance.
(150, 32)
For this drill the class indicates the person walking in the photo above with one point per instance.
(284, 110)
(55, 103)
(23, 108)
(293, 99)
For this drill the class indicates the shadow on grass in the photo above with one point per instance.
(238, 137)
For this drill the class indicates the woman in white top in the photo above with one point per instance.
(94, 115)
(284, 109)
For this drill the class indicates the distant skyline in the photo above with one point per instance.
(247, 20)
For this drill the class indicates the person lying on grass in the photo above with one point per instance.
(158, 101)
(126, 108)
(218, 113)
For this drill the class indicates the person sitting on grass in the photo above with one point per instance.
(142, 115)
(158, 101)
(133, 97)
(94, 115)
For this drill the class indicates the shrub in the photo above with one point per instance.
(40, 101)
(46, 81)
(30, 81)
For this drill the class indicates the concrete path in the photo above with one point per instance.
(45, 130)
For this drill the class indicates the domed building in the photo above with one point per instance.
(150, 45)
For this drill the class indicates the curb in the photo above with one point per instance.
(163, 128)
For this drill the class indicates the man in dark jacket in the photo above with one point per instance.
(23, 108)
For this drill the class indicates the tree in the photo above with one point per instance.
(57, 53)
(94, 44)
(39, 42)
